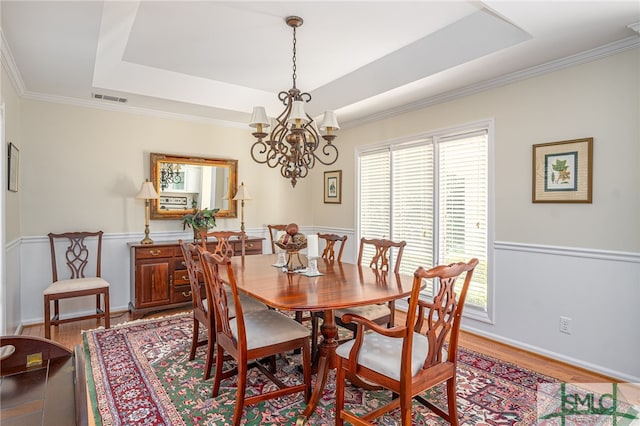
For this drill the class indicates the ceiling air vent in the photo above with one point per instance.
(109, 98)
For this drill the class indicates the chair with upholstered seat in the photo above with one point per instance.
(381, 314)
(224, 246)
(250, 336)
(203, 306)
(83, 251)
(405, 359)
(384, 313)
(273, 230)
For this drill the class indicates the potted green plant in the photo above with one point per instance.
(200, 221)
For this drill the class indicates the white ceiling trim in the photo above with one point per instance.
(584, 57)
(10, 66)
(118, 107)
(573, 60)
(112, 73)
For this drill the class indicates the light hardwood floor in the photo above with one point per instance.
(70, 335)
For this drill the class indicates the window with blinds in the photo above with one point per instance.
(432, 193)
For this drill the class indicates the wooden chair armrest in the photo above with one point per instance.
(365, 324)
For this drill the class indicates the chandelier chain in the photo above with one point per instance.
(294, 57)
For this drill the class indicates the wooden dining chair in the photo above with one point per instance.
(327, 254)
(273, 230)
(202, 306)
(250, 336)
(224, 246)
(406, 359)
(82, 250)
(329, 249)
(383, 313)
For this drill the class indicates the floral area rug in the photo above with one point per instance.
(139, 374)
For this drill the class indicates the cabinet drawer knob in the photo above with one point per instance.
(185, 277)
(154, 252)
(250, 245)
(183, 263)
(186, 293)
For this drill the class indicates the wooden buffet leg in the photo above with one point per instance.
(327, 361)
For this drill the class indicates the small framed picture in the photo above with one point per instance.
(333, 187)
(562, 171)
(13, 167)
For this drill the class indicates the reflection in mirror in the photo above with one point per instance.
(187, 183)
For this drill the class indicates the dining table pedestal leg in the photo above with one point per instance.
(326, 361)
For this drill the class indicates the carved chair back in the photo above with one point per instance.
(224, 246)
(380, 259)
(329, 249)
(216, 280)
(273, 229)
(78, 253)
(190, 254)
(442, 316)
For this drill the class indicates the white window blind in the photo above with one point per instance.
(462, 199)
(412, 204)
(432, 193)
(375, 192)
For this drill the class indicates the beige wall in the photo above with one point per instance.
(12, 133)
(600, 99)
(83, 166)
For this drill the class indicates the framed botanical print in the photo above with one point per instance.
(333, 187)
(562, 171)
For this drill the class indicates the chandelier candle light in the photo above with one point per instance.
(294, 143)
(147, 192)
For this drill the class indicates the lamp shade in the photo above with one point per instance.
(242, 193)
(329, 122)
(297, 117)
(259, 117)
(147, 191)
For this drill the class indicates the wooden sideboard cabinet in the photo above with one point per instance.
(159, 278)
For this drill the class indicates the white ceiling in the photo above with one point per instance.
(215, 60)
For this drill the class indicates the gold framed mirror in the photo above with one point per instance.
(185, 183)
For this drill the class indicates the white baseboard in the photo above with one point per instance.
(555, 356)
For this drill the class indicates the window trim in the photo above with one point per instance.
(436, 135)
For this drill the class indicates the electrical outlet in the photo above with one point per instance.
(565, 325)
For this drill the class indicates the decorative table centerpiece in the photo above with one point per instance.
(292, 242)
(200, 221)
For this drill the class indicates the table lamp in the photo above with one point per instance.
(147, 192)
(242, 195)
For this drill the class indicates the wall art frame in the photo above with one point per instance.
(333, 187)
(563, 171)
(13, 167)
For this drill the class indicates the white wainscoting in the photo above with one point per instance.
(534, 285)
(10, 289)
(35, 275)
(599, 290)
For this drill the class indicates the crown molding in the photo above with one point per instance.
(9, 64)
(580, 58)
(549, 67)
(105, 105)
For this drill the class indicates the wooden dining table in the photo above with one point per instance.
(341, 285)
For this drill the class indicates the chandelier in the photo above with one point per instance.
(169, 174)
(294, 143)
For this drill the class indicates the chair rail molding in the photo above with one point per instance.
(617, 256)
